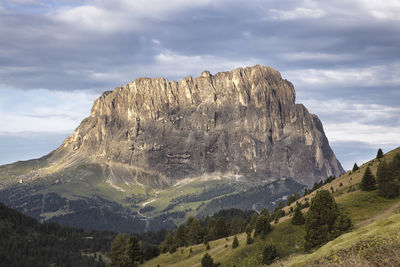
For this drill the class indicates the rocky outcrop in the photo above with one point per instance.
(242, 122)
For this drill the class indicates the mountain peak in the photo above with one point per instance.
(244, 122)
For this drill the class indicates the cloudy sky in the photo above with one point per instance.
(56, 57)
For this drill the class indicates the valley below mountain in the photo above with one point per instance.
(154, 152)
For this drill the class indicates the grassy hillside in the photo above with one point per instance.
(374, 240)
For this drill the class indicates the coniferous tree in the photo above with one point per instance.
(151, 252)
(117, 253)
(262, 227)
(210, 231)
(221, 229)
(236, 225)
(133, 251)
(168, 243)
(249, 240)
(388, 187)
(324, 221)
(368, 182)
(252, 224)
(180, 236)
(298, 217)
(235, 242)
(269, 254)
(195, 235)
(355, 167)
(292, 198)
(207, 261)
(379, 155)
(342, 224)
(265, 212)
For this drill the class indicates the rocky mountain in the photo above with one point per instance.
(244, 122)
(152, 135)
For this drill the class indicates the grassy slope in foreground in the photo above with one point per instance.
(376, 221)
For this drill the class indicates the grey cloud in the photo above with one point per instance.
(70, 55)
(328, 49)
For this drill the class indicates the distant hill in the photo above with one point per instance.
(25, 242)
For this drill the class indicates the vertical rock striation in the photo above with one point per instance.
(243, 122)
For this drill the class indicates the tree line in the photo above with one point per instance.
(387, 179)
(323, 222)
(26, 242)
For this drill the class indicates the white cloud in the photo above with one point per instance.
(379, 75)
(178, 65)
(156, 42)
(123, 15)
(348, 121)
(308, 56)
(43, 110)
(341, 11)
(358, 132)
(382, 10)
(297, 13)
(90, 17)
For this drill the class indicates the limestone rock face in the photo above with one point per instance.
(243, 122)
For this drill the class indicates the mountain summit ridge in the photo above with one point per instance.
(244, 122)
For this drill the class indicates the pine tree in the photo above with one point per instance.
(180, 236)
(252, 224)
(355, 167)
(236, 225)
(194, 235)
(118, 251)
(368, 182)
(249, 240)
(221, 229)
(320, 219)
(151, 252)
(262, 227)
(133, 251)
(342, 224)
(207, 261)
(264, 212)
(386, 178)
(168, 243)
(269, 254)
(379, 155)
(210, 232)
(298, 217)
(235, 242)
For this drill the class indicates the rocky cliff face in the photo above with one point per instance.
(243, 122)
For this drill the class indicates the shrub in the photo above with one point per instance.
(207, 261)
(235, 242)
